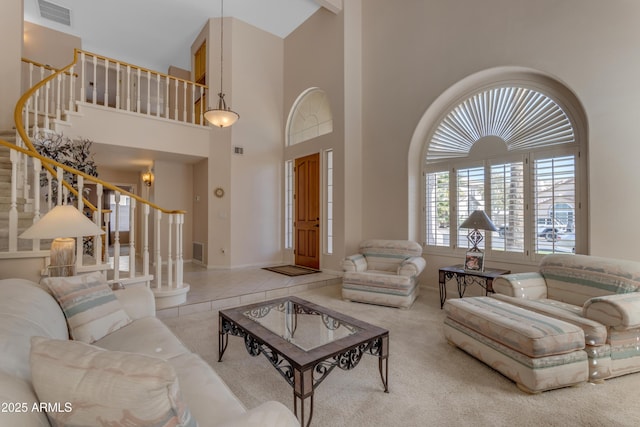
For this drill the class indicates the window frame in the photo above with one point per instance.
(529, 253)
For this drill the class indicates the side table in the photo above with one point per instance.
(465, 278)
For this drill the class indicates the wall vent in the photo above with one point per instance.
(198, 252)
(55, 13)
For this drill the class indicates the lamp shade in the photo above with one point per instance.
(62, 221)
(222, 116)
(479, 220)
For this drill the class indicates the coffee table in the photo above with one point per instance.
(304, 342)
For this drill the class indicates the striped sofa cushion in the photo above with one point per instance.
(379, 281)
(595, 333)
(524, 331)
(106, 388)
(90, 306)
(387, 255)
(574, 279)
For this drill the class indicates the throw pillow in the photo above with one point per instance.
(90, 306)
(91, 386)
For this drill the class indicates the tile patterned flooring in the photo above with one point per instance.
(216, 289)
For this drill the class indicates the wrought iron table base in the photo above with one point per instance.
(466, 278)
(304, 381)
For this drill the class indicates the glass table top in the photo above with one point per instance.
(299, 324)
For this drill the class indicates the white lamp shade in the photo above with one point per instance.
(221, 118)
(62, 221)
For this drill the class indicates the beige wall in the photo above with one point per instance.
(412, 54)
(173, 188)
(200, 211)
(256, 175)
(49, 47)
(10, 51)
(314, 57)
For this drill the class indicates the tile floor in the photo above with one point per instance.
(216, 289)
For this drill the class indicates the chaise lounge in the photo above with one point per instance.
(570, 295)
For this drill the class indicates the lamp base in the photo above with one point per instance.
(63, 257)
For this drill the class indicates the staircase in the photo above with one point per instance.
(156, 258)
(25, 216)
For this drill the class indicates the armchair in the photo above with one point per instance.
(384, 272)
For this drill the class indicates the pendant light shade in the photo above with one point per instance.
(221, 116)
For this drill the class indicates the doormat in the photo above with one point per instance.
(291, 270)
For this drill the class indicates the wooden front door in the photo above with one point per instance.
(307, 211)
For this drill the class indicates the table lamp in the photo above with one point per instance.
(478, 220)
(63, 224)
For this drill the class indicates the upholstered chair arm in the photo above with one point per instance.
(138, 301)
(620, 311)
(521, 285)
(268, 414)
(354, 263)
(412, 266)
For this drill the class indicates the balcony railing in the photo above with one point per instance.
(101, 81)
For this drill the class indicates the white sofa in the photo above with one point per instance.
(27, 310)
(385, 272)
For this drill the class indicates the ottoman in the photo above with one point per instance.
(536, 351)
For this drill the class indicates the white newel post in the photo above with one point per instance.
(13, 210)
(157, 250)
(169, 254)
(97, 219)
(37, 167)
(80, 240)
(179, 255)
(145, 241)
(116, 239)
(132, 238)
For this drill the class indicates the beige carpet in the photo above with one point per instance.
(431, 383)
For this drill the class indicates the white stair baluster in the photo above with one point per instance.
(148, 92)
(94, 93)
(106, 82)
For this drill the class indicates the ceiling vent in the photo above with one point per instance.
(55, 13)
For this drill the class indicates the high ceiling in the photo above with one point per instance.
(158, 33)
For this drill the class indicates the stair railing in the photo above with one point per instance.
(30, 109)
(173, 228)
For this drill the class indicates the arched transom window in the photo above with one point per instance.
(513, 152)
(310, 117)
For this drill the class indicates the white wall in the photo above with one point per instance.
(413, 53)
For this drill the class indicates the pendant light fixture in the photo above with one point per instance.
(221, 116)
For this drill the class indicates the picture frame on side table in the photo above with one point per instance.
(474, 261)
